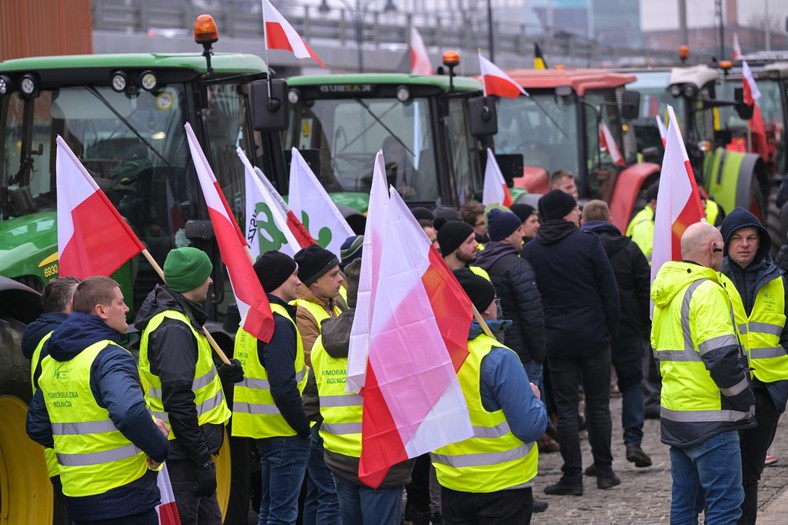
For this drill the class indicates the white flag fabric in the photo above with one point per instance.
(311, 204)
(494, 190)
(419, 59)
(266, 225)
(663, 133)
(751, 91)
(279, 34)
(679, 204)
(496, 82)
(736, 47)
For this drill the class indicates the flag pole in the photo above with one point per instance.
(480, 320)
(205, 332)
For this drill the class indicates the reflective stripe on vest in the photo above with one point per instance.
(494, 458)
(93, 455)
(209, 399)
(689, 394)
(49, 453)
(341, 411)
(761, 331)
(255, 414)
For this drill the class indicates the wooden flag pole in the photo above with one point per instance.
(205, 332)
(482, 323)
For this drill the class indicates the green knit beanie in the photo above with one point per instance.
(186, 269)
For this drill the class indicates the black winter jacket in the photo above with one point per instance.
(515, 284)
(579, 292)
(172, 352)
(633, 277)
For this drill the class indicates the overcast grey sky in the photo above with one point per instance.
(663, 14)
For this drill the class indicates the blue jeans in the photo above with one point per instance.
(362, 505)
(627, 357)
(321, 505)
(707, 474)
(283, 465)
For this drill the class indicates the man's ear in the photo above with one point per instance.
(98, 310)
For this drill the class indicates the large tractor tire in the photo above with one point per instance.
(25, 490)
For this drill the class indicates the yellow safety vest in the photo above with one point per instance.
(207, 387)
(481, 272)
(255, 414)
(691, 402)
(760, 332)
(641, 231)
(494, 458)
(341, 411)
(316, 310)
(93, 455)
(49, 453)
(712, 210)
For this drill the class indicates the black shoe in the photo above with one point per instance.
(566, 486)
(636, 455)
(606, 479)
(436, 518)
(591, 470)
(540, 506)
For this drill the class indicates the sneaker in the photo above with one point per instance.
(606, 479)
(566, 486)
(591, 470)
(636, 455)
(540, 506)
(771, 460)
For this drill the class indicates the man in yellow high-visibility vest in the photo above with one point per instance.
(91, 410)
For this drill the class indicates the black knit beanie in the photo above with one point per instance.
(313, 261)
(523, 211)
(479, 290)
(556, 204)
(501, 224)
(452, 234)
(273, 269)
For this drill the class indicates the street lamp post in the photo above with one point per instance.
(358, 15)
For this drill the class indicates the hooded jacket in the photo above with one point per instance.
(114, 383)
(336, 341)
(578, 288)
(172, 352)
(692, 308)
(633, 277)
(750, 280)
(36, 331)
(515, 284)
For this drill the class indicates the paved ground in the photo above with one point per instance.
(643, 498)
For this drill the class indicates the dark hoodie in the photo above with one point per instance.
(35, 332)
(335, 334)
(633, 277)
(578, 288)
(172, 352)
(114, 382)
(750, 280)
(515, 284)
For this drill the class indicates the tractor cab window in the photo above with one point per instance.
(345, 134)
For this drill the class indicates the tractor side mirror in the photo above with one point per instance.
(483, 118)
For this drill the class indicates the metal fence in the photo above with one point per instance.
(379, 30)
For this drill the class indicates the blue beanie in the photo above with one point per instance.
(501, 224)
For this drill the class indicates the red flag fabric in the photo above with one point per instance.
(496, 82)
(679, 202)
(751, 96)
(256, 315)
(494, 190)
(168, 509)
(419, 59)
(92, 237)
(279, 34)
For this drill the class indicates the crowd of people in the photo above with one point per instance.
(563, 297)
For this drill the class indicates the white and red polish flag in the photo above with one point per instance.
(736, 47)
(608, 143)
(295, 226)
(309, 201)
(419, 59)
(663, 133)
(495, 190)
(256, 315)
(257, 193)
(420, 317)
(167, 509)
(679, 202)
(92, 237)
(496, 82)
(751, 96)
(279, 34)
(751, 91)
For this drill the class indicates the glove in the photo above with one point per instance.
(232, 373)
(206, 480)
